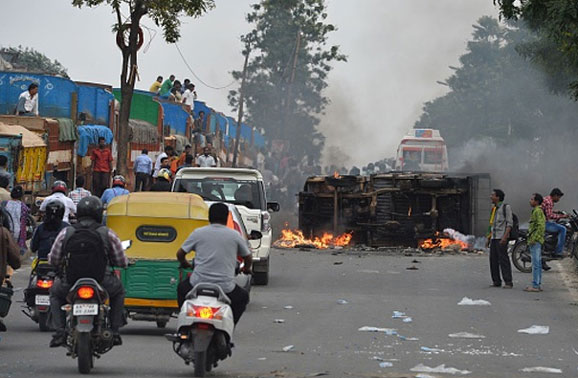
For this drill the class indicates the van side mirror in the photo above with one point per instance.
(255, 235)
(273, 206)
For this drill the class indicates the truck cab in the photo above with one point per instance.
(422, 150)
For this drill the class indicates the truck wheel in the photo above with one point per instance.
(521, 257)
(43, 321)
(200, 362)
(261, 278)
(84, 352)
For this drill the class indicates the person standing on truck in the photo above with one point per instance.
(28, 102)
(501, 222)
(167, 86)
(156, 86)
(101, 167)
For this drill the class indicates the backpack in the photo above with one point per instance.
(515, 231)
(86, 252)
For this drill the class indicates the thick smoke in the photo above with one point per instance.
(524, 167)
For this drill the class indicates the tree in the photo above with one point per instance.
(497, 93)
(556, 50)
(30, 60)
(287, 72)
(164, 13)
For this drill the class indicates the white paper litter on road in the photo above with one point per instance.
(342, 301)
(421, 368)
(377, 358)
(408, 338)
(431, 350)
(466, 335)
(387, 331)
(398, 315)
(407, 320)
(385, 364)
(541, 369)
(536, 330)
(288, 348)
(279, 321)
(288, 307)
(425, 376)
(473, 302)
(262, 358)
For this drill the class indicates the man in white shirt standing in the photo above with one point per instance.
(28, 101)
(169, 151)
(190, 96)
(206, 159)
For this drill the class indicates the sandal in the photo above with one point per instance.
(531, 289)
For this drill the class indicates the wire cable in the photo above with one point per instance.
(197, 77)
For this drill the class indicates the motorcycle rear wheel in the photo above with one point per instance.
(521, 257)
(43, 321)
(84, 352)
(200, 363)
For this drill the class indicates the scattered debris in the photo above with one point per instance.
(408, 338)
(385, 364)
(279, 321)
(288, 348)
(535, 330)
(541, 369)
(473, 302)
(407, 320)
(466, 335)
(424, 376)
(288, 307)
(342, 301)
(318, 374)
(338, 263)
(377, 358)
(416, 261)
(368, 271)
(262, 358)
(387, 331)
(431, 350)
(398, 315)
(421, 368)
(413, 267)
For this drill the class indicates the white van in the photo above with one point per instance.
(422, 150)
(245, 189)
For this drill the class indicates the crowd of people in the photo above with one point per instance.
(175, 91)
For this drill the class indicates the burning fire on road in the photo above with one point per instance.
(295, 238)
(446, 241)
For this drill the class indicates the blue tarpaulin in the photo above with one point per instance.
(89, 134)
(259, 140)
(246, 132)
(200, 106)
(176, 117)
(232, 130)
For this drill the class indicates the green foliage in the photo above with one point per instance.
(165, 13)
(33, 61)
(556, 50)
(497, 93)
(284, 91)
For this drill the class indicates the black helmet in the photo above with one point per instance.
(54, 212)
(90, 207)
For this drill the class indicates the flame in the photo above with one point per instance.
(293, 238)
(336, 175)
(442, 243)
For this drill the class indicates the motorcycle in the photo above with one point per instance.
(521, 256)
(204, 329)
(37, 297)
(88, 329)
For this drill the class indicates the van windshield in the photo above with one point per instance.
(226, 189)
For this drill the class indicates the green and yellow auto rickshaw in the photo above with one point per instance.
(157, 224)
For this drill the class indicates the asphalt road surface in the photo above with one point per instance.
(325, 299)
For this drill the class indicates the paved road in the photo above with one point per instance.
(325, 333)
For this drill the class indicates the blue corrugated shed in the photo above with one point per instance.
(246, 132)
(175, 116)
(95, 102)
(54, 93)
(232, 129)
(201, 106)
(259, 140)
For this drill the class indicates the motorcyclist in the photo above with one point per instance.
(551, 218)
(216, 249)
(46, 233)
(118, 189)
(89, 216)
(9, 253)
(59, 189)
(163, 183)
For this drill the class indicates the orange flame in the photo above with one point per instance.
(291, 239)
(336, 175)
(442, 243)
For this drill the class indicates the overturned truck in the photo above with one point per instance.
(395, 208)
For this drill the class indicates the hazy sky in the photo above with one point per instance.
(397, 50)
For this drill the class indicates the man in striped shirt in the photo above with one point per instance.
(79, 193)
(551, 218)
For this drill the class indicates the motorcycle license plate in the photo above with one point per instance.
(42, 300)
(85, 309)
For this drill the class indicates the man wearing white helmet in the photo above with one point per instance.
(118, 189)
(59, 189)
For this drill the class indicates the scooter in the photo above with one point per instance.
(204, 329)
(521, 257)
(37, 297)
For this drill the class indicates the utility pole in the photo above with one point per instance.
(241, 101)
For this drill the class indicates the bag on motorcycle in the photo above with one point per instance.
(85, 248)
(515, 231)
